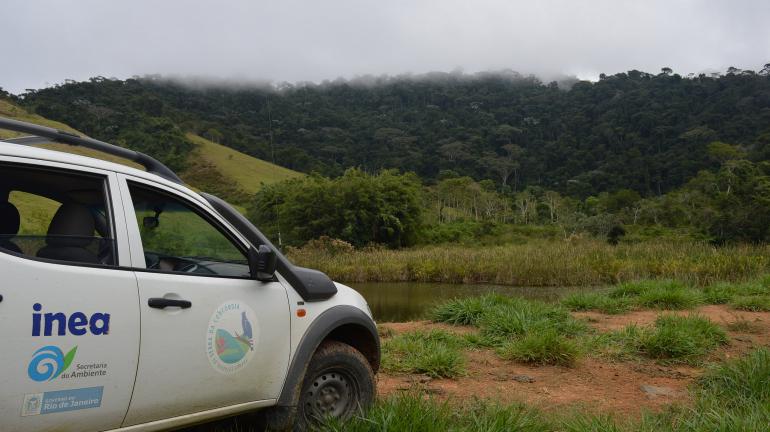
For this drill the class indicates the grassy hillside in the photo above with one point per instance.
(213, 167)
(248, 172)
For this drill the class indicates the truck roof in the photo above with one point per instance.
(23, 148)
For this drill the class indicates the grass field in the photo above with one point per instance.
(733, 396)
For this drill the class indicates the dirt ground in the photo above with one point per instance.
(625, 388)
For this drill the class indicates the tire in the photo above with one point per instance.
(339, 383)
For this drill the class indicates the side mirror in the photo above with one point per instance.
(262, 262)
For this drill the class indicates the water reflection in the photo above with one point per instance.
(398, 302)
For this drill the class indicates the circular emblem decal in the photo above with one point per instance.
(230, 337)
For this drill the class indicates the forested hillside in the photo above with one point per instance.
(639, 131)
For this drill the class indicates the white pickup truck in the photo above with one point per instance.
(130, 302)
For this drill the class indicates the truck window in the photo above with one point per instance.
(178, 239)
(55, 215)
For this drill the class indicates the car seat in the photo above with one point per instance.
(70, 233)
(9, 226)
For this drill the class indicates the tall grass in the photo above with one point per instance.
(545, 263)
(655, 294)
(734, 396)
(415, 413)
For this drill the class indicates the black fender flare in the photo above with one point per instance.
(334, 318)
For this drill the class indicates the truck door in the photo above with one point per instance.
(210, 335)
(69, 315)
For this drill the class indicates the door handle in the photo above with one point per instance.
(162, 303)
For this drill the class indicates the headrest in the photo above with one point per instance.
(9, 219)
(71, 226)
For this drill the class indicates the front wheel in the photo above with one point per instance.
(339, 382)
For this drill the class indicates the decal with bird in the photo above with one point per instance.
(231, 349)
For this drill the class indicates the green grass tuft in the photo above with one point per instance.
(587, 422)
(739, 381)
(720, 293)
(744, 326)
(403, 412)
(637, 288)
(546, 347)
(668, 297)
(752, 303)
(582, 301)
(435, 353)
(685, 339)
(519, 317)
(466, 311)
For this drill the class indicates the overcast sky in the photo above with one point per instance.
(45, 42)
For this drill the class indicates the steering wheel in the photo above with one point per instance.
(152, 261)
(188, 268)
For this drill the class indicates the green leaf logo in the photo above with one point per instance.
(68, 360)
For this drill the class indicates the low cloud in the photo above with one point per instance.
(45, 42)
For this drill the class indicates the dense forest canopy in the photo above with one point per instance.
(648, 133)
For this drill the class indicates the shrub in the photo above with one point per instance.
(541, 347)
(328, 245)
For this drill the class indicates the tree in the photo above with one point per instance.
(357, 207)
(526, 203)
(454, 151)
(554, 202)
(723, 152)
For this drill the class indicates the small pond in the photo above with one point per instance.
(405, 301)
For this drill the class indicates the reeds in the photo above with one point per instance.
(545, 263)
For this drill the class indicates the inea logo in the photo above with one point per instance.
(78, 323)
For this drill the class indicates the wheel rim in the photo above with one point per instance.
(332, 394)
